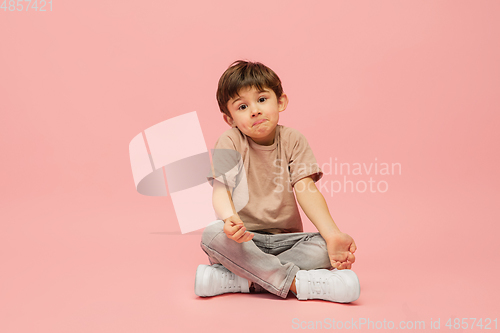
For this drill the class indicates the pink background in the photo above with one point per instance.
(409, 82)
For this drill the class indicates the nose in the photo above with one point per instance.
(255, 111)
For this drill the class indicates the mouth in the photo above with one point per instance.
(259, 122)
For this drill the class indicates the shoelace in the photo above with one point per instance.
(318, 286)
(228, 280)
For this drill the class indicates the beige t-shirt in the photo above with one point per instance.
(270, 172)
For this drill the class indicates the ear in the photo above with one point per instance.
(282, 102)
(228, 120)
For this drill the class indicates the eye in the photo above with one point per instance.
(242, 107)
(262, 99)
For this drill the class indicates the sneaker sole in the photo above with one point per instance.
(198, 282)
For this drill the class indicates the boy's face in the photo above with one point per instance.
(256, 113)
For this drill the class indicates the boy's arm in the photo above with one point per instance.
(340, 246)
(224, 209)
(222, 201)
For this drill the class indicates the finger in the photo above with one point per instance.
(238, 222)
(350, 257)
(353, 247)
(348, 266)
(340, 257)
(243, 238)
(231, 230)
(237, 235)
(237, 227)
(248, 236)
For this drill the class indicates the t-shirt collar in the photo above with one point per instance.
(255, 145)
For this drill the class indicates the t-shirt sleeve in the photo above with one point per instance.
(227, 164)
(302, 162)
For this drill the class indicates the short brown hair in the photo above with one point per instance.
(243, 74)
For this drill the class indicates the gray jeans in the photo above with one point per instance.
(269, 261)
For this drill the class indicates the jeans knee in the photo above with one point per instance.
(319, 253)
(211, 231)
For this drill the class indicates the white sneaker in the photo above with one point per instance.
(340, 286)
(216, 279)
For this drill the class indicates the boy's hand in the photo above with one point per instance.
(341, 248)
(235, 230)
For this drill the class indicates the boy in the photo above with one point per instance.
(262, 247)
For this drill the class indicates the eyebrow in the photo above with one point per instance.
(239, 97)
